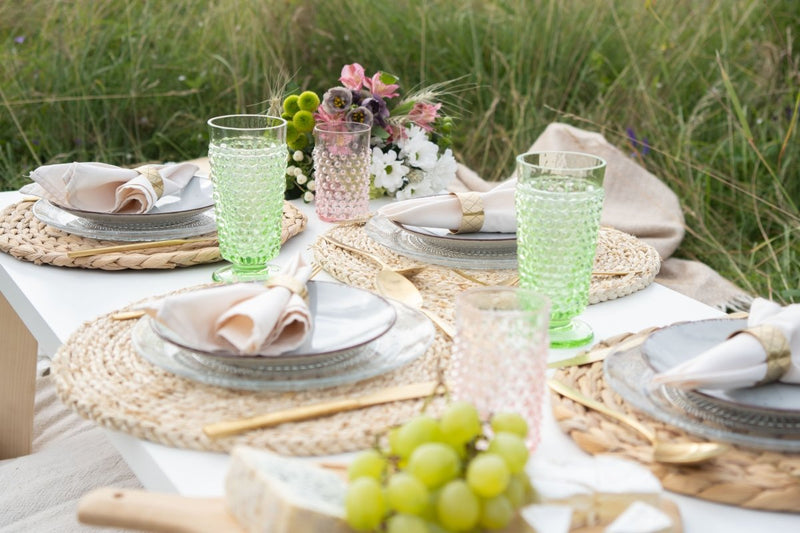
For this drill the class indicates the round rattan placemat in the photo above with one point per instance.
(27, 238)
(99, 374)
(742, 477)
(616, 252)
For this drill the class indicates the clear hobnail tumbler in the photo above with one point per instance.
(247, 155)
(341, 170)
(558, 200)
(499, 355)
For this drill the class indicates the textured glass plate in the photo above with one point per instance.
(405, 342)
(196, 224)
(195, 198)
(671, 346)
(344, 318)
(629, 374)
(459, 253)
(502, 242)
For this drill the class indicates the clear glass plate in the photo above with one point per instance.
(409, 338)
(671, 346)
(344, 318)
(458, 252)
(502, 242)
(198, 223)
(629, 374)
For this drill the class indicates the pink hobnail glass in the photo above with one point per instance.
(341, 170)
(500, 353)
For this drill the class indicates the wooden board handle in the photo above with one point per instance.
(154, 511)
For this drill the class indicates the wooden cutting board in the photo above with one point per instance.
(171, 513)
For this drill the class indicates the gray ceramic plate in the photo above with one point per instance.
(671, 346)
(344, 318)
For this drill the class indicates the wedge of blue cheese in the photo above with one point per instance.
(269, 493)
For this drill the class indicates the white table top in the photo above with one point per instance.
(54, 301)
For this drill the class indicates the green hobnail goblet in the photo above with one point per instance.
(248, 158)
(558, 201)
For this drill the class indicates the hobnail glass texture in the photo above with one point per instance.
(248, 157)
(559, 199)
(341, 170)
(500, 353)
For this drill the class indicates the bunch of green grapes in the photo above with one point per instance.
(298, 111)
(442, 475)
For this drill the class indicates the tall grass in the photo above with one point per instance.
(713, 86)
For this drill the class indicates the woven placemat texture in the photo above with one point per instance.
(743, 477)
(27, 238)
(616, 252)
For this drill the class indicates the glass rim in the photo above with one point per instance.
(543, 301)
(277, 122)
(327, 127)
(601, 163)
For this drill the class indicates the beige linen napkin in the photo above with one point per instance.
(243, 318)
(106, 188)
(445, 211)
(742, 361)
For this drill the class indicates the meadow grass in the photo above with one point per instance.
(712, 85)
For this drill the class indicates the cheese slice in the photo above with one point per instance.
(597, 488)
(547, 518)
(269, 493)
(641, 517)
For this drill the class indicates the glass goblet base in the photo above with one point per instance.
(570, 334)
(236, 274)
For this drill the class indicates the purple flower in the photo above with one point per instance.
(640, 147)
(377, 107)
(19, 39)
(360, 114)
(336, 100)
(359, 96)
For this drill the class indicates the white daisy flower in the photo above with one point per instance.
(387, 169)
(418, 150)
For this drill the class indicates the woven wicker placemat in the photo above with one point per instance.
(743, 477)
(616, 252)
(27, 238)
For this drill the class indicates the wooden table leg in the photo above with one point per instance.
(17, 383)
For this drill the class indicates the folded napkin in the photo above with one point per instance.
(768, 350)
(491, 211)
(105, 188)
(243, 318)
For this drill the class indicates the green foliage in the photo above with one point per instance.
(713, 85)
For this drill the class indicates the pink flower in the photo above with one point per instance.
(323, 116)
(423, 115)
(378, 88)
(352, 76)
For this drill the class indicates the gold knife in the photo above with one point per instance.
(136, 246)
(598, 354)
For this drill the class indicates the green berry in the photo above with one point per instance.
(308, 101)
(298, 143)
(303, 121)
(290, 104)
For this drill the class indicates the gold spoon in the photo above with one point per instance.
(663, 452)
(408, 271)
(392, 285)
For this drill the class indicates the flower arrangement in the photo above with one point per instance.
(410, 137)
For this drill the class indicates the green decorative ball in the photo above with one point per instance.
(303, 121)
(290, 104)
(308, 101)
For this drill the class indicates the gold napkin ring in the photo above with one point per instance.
(154, 177)
(471, 212)
(779, 355)
(288, 282)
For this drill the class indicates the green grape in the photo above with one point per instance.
(406, 523)
(496, 512)
(434, 464)
(488, 475)
(458, 508)
(511, 448)
(510, 422)
(290, 104)
(516, 491)
(364, 504)
(460, 422)
(416, 431)
(369, 463)
(407, 494)
(433, 527)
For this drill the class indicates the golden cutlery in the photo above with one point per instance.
(392, 285)
(663, 452)
(136, 246)
(409, 271)
(307, 412)
(509, 281)
(597, 353)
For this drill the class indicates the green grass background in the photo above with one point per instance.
(713, 85)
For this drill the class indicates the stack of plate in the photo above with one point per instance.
(356, 335)
(173, 217)
(765, 417)
(439, 246)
